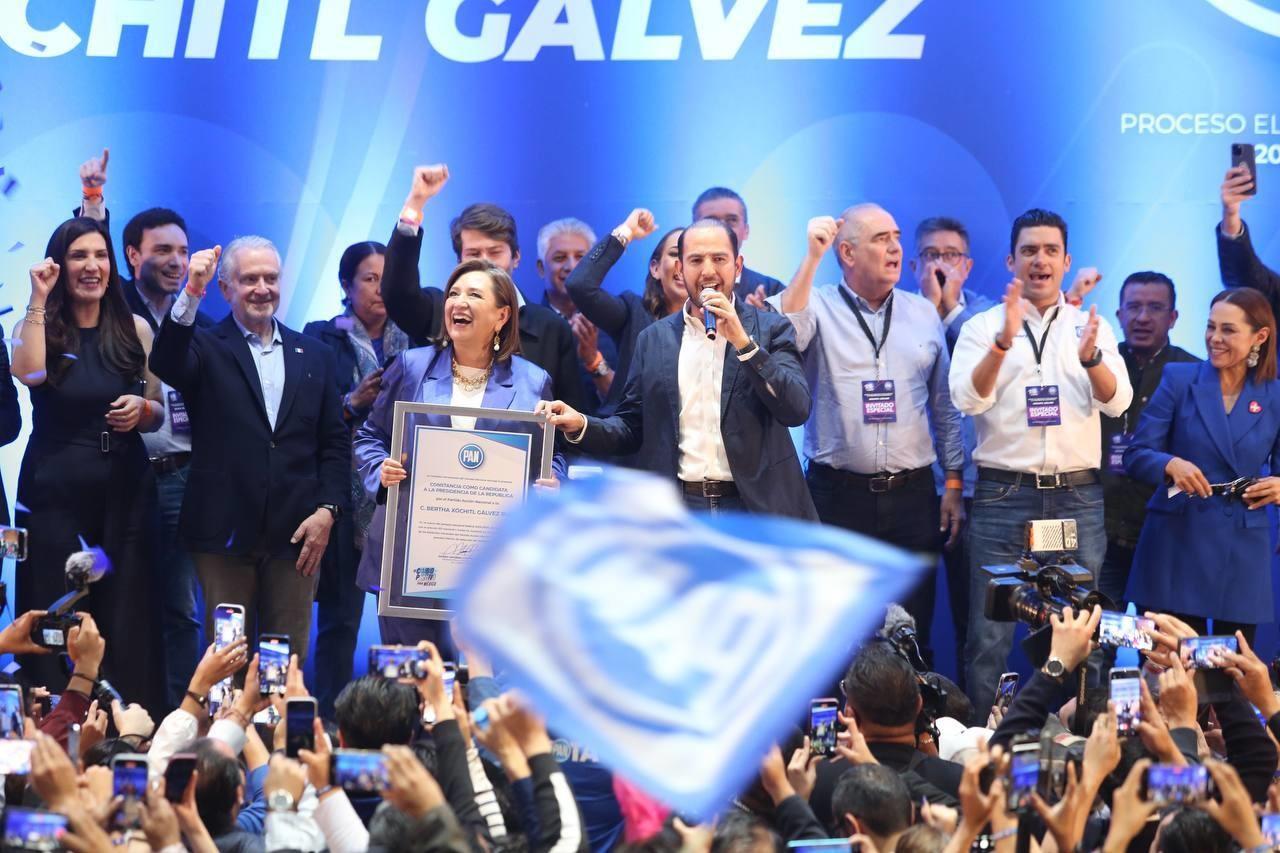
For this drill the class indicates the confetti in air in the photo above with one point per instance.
(19, 506)
(5, 310)
(9, 186)
(231, 538)
(84, 546)
(71, 356)
(38, 376)
(16, 246)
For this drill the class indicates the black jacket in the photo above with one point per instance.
(250, 486)
(545, 337)
(1240, 266)
(761, 398)
(138, 306)
(1124, 498)
(10, 418)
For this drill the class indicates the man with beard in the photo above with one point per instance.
(710, 404)
(1147, 312)
(156, 255)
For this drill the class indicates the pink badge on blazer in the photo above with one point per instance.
(1254, 407)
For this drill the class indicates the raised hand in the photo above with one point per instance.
(1236, 189)
(1084, 282)
(93, 172)
(756, 298)
(1089, 336)
(201, 269)
(822, 233)
(1013, 312)
(427, 183)
(639, 224)
(43, 276)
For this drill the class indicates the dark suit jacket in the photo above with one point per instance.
(760, 399)
(1241, 267)
(545, 337)
(10, 418)
(138, 306)
(750, 280)
(344, 353)
(251, 486)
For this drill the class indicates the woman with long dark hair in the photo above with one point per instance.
(1205, 547)
(85, 480)
(624, 316)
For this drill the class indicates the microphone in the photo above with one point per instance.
(709, 319)
(896, 616)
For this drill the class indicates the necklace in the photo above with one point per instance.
(469, 383)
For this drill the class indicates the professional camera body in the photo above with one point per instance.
(1033, 589)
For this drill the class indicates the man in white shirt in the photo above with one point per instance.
(1034, 373)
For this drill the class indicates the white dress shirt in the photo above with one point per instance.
(1005, 440)
(701, 371)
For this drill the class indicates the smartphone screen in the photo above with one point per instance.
(299, 722)
(15, 757)
(1271, 828)
(11, 722)
(1005, 689)
(1024, 774)
(361, 770)
(450, 678)
(13, 542)
(33, 829)
(822, 726)
(1126, 693)
(228, 624)
(398, 662)
(821, 845)
(1244, 154)
(220, 694)
(129, 782)
(1168, 783)
(1120, 630)
(1197, 652)
(273, 663)
(177, 775)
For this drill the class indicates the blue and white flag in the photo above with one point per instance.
(675, 646)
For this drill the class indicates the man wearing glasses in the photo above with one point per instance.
(941, 267)
(1147, 312)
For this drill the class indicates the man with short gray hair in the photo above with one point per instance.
(270, 457)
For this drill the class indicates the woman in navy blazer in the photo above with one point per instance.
(1205, 554)
(474, 364)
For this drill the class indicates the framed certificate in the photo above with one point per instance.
(460, 481)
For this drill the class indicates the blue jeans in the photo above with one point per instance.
(179, 611)
(997, 535)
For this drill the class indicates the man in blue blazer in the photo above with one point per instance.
(270, 456)
(712, 413)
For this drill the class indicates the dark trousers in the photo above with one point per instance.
(907, 517)
(714, 505)
(179, 619)
(955, 562)
(1114, 576)
(276, 598)
(337, 629)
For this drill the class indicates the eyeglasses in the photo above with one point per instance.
(949, 256)
(1154, 309)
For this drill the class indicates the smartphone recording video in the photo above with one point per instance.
(273, 663)
(12, 726)
(1165, 784)
(129, 783)
(15, 757)
(1202, 652)
(398, 662)
(362, 770)
(299, 726)
(823, 726)
(1006, 688)
(1120, 630)
(177, 775)
(33, 829)
(1024, 775)
(1126, 695)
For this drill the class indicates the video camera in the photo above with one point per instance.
(900, 633)
(1032, 590)
(82, 568)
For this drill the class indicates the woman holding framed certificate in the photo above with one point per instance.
(455, 471)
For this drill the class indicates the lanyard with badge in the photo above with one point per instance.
(1044, 406)
(879, 400)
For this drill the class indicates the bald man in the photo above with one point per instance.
(876, 360)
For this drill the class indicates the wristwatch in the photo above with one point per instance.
(1055, 669)
(334, 509)
(1094, 360)
(602, 369)
(280, 800)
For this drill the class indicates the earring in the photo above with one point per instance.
(1252, 360)
(497, 343)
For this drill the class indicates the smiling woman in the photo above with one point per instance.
(85, 477)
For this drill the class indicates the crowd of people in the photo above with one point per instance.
(239, 461)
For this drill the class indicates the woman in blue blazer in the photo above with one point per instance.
(475, 364)
(1204, 553)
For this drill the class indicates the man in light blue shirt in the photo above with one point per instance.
(877, 362)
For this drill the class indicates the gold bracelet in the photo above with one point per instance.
(35, 309)
(32, 321)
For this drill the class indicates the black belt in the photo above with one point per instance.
(1087, 477)
(107, 441)
(875, 483)
(710, 488)
(170, 463)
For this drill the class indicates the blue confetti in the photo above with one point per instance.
(5, 310)
(84, 546)
(1, 170)
(40, 46)
(71, 356)
(375, 589)
(16, 246)
(38, 376)
(9, 186)
(231, 538)
(12, 668)
(19, 506)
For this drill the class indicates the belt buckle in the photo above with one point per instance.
(1054, 481)
(104, 442)
(710, 489)
(879, 484)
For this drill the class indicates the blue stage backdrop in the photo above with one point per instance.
(302, 122)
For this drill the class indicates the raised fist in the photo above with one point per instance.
(93, 172)
(640, 223)
(427, 182)
(43, 276)
(201, 269)
(1085, 281)
(822, 234)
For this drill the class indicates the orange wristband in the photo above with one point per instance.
(955, 484)
(995, 348)
(91, 193)
(595, 362)
(411, 216)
